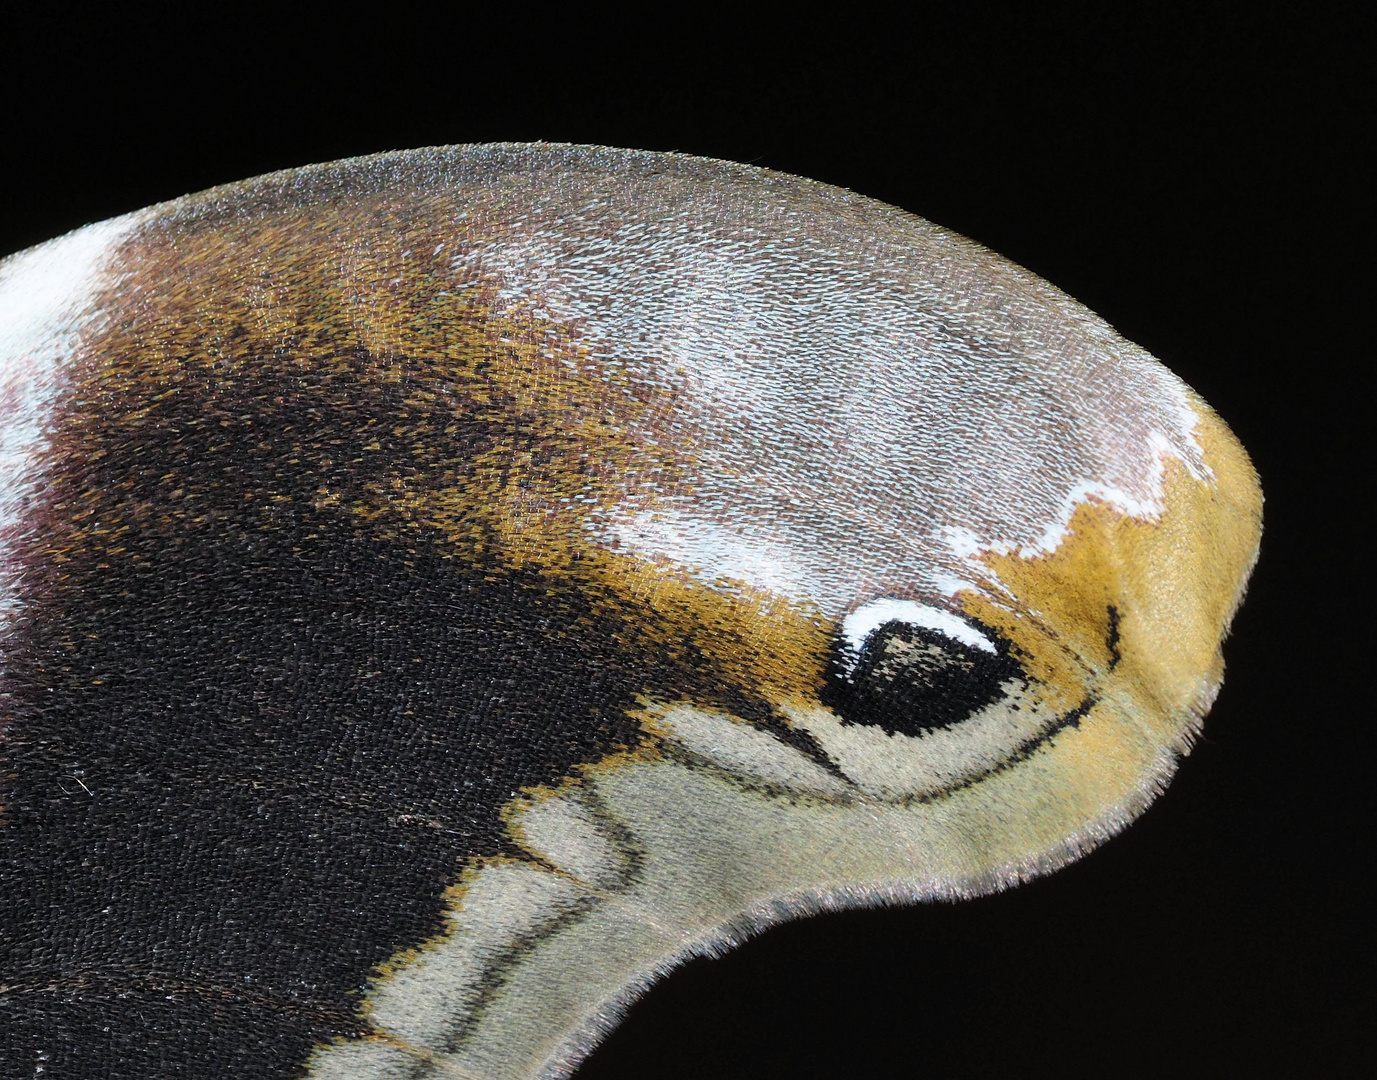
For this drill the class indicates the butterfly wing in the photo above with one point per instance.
(443, 591)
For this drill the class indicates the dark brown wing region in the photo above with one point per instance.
(280, 662)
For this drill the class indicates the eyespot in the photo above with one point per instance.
(909, 668)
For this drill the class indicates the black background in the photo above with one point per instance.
(1192, 179)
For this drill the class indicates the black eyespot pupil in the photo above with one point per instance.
(911, 679)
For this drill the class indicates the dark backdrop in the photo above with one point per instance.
(1193, 179)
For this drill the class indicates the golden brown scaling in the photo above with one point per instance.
(1146, 601)
(336, 349)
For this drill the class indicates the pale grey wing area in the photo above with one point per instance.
(846, 369)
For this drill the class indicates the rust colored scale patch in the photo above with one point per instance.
(750, 639)
(310, 347)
